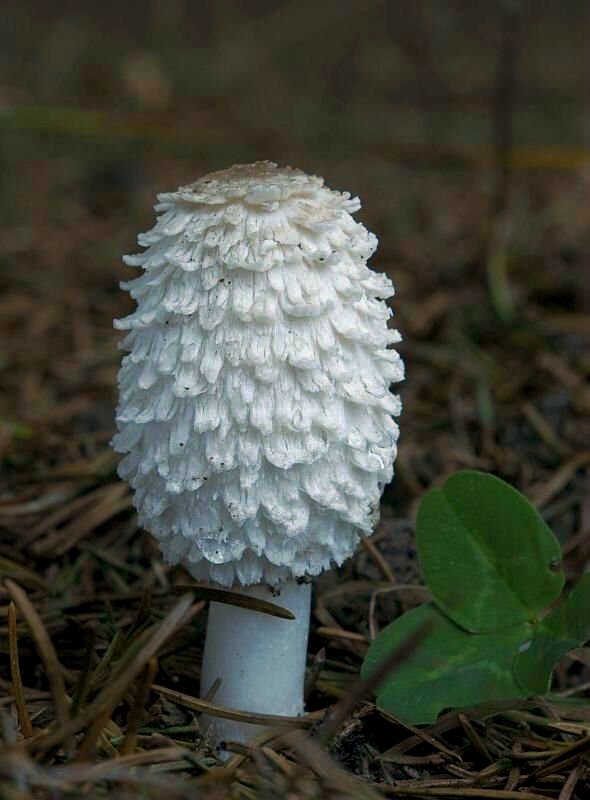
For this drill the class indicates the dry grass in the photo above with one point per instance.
(101, 642)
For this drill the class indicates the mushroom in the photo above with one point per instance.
(255, 410)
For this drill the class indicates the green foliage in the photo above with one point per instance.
(564, 628)
(451, 668)
(493, 568)
(487, 556)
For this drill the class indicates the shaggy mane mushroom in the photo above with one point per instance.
(255, 413)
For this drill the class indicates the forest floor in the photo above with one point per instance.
(492, 273)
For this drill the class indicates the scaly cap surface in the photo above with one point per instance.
(255, 410)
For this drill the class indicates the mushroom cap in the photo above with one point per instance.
(255, 410)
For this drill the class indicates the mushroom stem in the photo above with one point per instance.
(259, 658)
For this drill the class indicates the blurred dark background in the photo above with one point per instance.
(463, 127)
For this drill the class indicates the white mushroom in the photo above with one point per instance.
(255, 410)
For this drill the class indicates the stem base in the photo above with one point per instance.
(260, 659)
